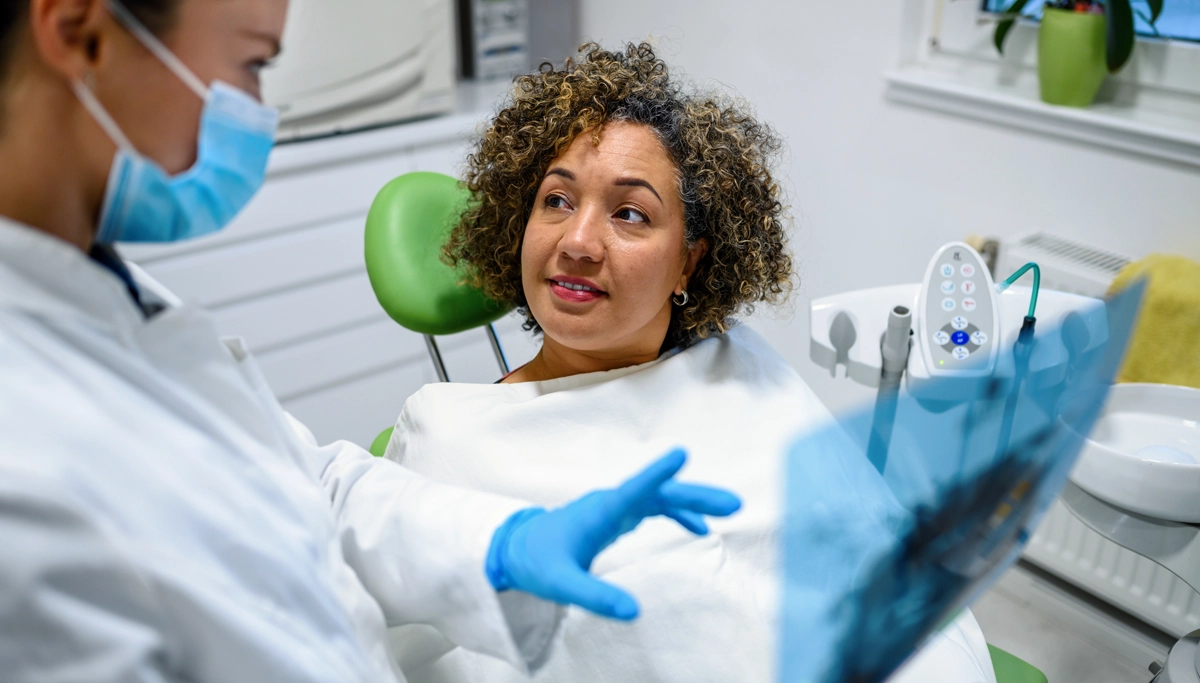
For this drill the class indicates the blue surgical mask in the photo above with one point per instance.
(144, 204)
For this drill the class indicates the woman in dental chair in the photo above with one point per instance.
(630, 220)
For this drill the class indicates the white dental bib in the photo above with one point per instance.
(708, 604)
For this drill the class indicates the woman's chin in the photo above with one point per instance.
(580, 338)
(592, 330)
(581, 332)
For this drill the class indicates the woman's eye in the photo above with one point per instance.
(255, 67)
(555, 201)
(632, 216)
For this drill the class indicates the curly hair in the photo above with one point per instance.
(722, 156)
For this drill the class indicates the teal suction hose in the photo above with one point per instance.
(1037, 284)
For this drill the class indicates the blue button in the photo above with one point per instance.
(960, 338)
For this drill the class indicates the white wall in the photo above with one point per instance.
(876, 187)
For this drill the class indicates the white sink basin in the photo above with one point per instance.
(1144, 454)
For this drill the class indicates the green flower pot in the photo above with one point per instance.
(1071, 64)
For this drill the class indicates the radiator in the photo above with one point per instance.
(1063, 545)
(1067, 265)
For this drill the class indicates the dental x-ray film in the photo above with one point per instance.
(881, 550)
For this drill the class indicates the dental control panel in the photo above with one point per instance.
(963, 327)
(958, 326)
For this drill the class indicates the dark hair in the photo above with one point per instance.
(157, 15)
(722, 153)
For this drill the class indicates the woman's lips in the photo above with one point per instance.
(575, 290)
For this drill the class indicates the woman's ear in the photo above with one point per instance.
(694, 254)
(68, 36)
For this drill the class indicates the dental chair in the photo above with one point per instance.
(407, 226)
(1012, 669)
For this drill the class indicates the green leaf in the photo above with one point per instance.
(1155, 9)
(1120, 35)
(1002, 29)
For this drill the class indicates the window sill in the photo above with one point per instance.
(1168, 135)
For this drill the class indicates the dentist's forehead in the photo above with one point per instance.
(264, 18)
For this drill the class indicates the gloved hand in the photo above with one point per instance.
(548, 554)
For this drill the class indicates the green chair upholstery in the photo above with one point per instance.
(1010, 668)
(379, 445)
(407, 226)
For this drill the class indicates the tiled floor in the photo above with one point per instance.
(1068, 634)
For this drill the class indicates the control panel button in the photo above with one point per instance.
(959, 323)
(980, 337)
(948, 286)
(949, 304)
(941, 338)
(967, 270)
(960, 353)
(960, 338)
(968, 287)
(947, 270)
(969, 304)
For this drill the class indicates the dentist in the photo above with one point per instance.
(161, 517)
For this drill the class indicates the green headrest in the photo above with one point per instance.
(407, 226)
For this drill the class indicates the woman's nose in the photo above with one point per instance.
(583, 239)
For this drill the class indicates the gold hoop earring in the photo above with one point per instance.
(677, 302)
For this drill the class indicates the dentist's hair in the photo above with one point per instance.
(722, 154)
(157, 15)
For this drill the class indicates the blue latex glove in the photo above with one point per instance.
(548, 554)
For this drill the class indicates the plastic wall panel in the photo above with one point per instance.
(358, 410)
(448, 158)
(313, 366)
(264, 266)
(301, 313)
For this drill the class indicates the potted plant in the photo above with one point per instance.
(1078, 42)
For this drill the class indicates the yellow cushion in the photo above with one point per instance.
(1165, 348)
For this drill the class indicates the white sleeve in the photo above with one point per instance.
(419, 547)
(72, 608)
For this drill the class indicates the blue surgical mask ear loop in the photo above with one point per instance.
(85, 87)
(156, 47)
(84, 91)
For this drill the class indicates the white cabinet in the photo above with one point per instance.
(351, 64)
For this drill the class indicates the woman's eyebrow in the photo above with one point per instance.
(624, 182)
(637, 182)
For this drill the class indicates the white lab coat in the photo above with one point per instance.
(163, 519)
(709, 604)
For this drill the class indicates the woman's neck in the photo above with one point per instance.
(555, 361)
(44, 178)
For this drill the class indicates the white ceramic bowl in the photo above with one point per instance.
(1144, 454)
